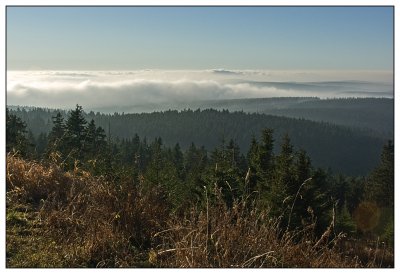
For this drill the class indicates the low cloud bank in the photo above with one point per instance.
(96, 89)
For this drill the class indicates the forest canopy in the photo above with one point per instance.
(347, 150)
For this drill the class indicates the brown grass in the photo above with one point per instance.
(95, 222)
(59, 219)
(243, 238)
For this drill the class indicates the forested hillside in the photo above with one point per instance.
(365, 113)
(376, 114)
(87, 200)
(373, 114)
(347, 150)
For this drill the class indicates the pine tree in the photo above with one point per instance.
(163, 173)
(56, 135)
(302, 191)
(178, 159)
(156, 164)
(380, 184)
(283, 191)
(265, 153)
(284, 170)
(90, 137)
(266, 167)
(100, 138)
(302, 167)
(16, 139)
(252, 155)
(75, 127)
(344, 221)
(136, 144)
(195, 163)
(225, 173)
(195, 160)
(380, 190)
(233, 153)
(315, 197)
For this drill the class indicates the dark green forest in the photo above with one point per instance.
(374, 114)
(346, 150)
(271, 170)
(371, 114)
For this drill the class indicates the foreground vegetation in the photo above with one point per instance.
(72, 219)
(88, 201)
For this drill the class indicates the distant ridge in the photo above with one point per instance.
(343, 149)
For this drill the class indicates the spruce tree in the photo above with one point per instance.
(265, 153)
(266, 167)
(195, 163)
(75, 127)
(178, 159)
(16, 139)
(225, 173)
(302, 167)
(344, 222)
(100, 138)
(301, 190)
(380, 190)
(380, 184)
(57, 132)
(282, 191)
(156, 164)
(90, 145)
(284, 170)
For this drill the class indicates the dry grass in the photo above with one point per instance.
(243, 238)
(97, 224)
(58, 219)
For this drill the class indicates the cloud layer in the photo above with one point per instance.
(100, 89)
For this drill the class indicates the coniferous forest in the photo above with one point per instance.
(206, 136)
(347, 150)
(201, 188)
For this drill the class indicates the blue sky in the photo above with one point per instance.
(129, 38)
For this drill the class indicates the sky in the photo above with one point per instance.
(105, 57)
(186, 38)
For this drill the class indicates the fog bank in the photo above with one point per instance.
(105, 89)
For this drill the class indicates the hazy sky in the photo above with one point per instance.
(129, 38)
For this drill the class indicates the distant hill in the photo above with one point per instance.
(369, 113)
(347, 150)
(375, 114)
